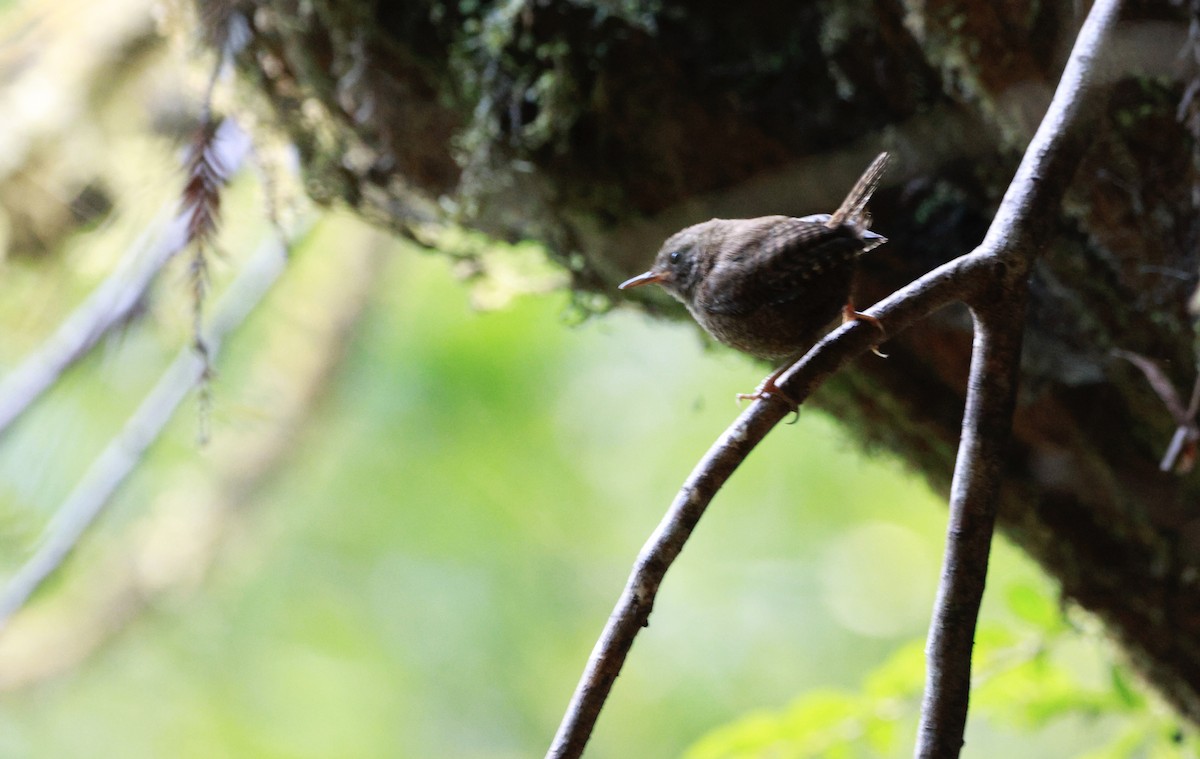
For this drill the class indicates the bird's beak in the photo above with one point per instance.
(648, 278)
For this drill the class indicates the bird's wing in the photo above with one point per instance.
(770, 264)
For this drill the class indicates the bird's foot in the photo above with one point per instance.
(850, 315)
(768, 390)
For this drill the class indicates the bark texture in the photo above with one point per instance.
(602, 127)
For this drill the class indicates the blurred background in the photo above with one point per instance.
(425, 481)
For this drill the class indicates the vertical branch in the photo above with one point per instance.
(1022, 227)
(974, 498)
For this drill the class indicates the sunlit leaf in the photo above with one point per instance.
(1124, 690)
(825, 724)
(1033, 605)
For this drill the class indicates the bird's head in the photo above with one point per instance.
(680, 264)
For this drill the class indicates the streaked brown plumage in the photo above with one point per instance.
(769, 286)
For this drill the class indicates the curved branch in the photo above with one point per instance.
(949, 283)
(996, 269)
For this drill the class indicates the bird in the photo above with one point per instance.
(771, 286)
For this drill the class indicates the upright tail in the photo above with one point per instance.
(854, 207)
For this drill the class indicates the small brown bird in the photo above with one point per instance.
(770, 286)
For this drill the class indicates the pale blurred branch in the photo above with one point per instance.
(122, 454)
(112, 302)
(169, 549)
(109, 305)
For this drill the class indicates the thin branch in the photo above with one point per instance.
(990, 279)
(122, 454)
(1180, 456)
(111, 302)
(1021, 229)
(974, 498)
(1162, 386)
(90, 609)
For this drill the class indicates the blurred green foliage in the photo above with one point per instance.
(414, 517)
(425, 573)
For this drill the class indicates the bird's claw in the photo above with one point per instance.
(770, 391)
(851, 315)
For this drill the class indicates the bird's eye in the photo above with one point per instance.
(675, 256)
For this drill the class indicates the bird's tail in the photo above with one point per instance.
(854, 208)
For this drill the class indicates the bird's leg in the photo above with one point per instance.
(768, 389)
(851, 315)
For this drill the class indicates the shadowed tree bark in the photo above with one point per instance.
(602, 127)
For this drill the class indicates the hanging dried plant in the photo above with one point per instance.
(206, 176)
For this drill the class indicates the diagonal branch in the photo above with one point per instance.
(990, 279)
(895, 313)
(108, 305)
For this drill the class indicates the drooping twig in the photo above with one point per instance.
(990, 279)
(1180, 456)
(113, 300)
(206, 178)
(206, 175)
(121, 455)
